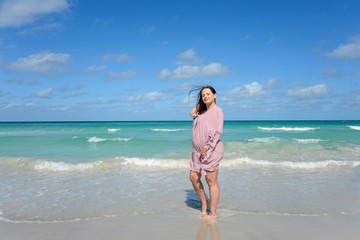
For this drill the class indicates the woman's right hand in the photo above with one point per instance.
(194, 112)
(203, 152)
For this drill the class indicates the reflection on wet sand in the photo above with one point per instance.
(214, 231)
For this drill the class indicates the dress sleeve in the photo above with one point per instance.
(215, 133)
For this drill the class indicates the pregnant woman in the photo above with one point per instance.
(208, 150)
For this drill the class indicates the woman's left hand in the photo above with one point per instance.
(203, 152)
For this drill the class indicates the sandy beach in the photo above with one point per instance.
(297, 180)
(185, 225)
(111, 112)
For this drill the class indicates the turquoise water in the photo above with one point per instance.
(49, 170)
(82, 141)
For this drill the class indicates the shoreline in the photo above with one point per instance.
(184, 224)
(172, 121)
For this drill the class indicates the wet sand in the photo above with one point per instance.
(185, 225)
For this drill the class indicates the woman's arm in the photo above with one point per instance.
(194, 112)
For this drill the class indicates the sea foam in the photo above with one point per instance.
(181, 164)
(167, 130)
(114, 129)
(62, 166)
(97, 139)
(354, 127)
(297, 129)
(310, 140)
(264, 140)
(292, 165)
(155, 162)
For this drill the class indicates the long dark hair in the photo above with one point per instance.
(201, 106)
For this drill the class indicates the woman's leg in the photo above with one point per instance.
(212, 181)
(199, 189)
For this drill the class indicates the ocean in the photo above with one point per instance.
(73, 171)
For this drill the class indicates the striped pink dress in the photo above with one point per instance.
(207, 130)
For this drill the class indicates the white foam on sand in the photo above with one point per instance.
(291, 165)
(155, 162)
(62, 166)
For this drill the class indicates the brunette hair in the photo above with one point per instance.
(201, 106)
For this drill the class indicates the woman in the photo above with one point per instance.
(208, 150)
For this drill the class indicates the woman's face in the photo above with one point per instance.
(207, 96)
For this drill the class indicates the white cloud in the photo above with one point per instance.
(332, 72)
(164, 74)
(115, 58)
(149, 97)
(79, 86)
(46, 63)
(351, 50)
(94, 68)
(45, 27)
(101, 101)
(119, 76)
(60, 108)
(252, 90)
(16, 13)
(26, 81)
(63, 88)
(73, 95)
(186, 72)
(272, 83)
(214, 69)
(185, 87)
(2, 93)
(44, 93)
(188, 58)
(13, 104)
(189, 100)
(316, 91)
(188, 69)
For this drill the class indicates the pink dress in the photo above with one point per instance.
(207, 130)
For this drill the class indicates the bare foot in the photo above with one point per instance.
(206, 217)
(204, 208)
(202, 214)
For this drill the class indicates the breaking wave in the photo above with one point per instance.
(290, 129)
(167, 130)
(114, 129)
(137, 162)
(97, 139)
(154, 162)
(264, 140)
(62, 166)
(304, 165)
(306, 141)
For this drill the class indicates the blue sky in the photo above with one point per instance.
(64, 60)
